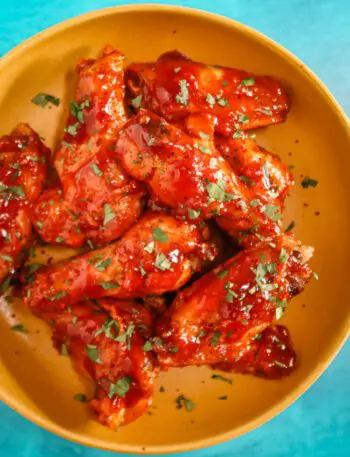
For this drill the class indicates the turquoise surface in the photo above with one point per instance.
(317, 31)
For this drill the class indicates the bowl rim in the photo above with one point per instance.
(337, 343)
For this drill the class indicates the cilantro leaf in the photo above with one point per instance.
(41, 99)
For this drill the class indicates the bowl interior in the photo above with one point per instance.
(315, 140)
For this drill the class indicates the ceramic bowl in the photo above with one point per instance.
(315, 139)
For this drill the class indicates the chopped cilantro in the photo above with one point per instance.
(136, 102)
(101, 265)
(19, 328)
(193, 214)
(283, 256)
(96, 170)
(72, 129)
(76, 110)
(222, 274)
(108, 327)
(210, 100)
(183, 96)
(243, 119)
(121, 387)
(41, 99)
(159, 235)
(215, 339)
(272, 212)
(93, 353)
(162, 263)
(223, 102)
(80, 397)
(248, 82)
(290, 227)
(147, 347)
(149, 247)
(308, 182)
(109, 285)
(126, 336)
(216, 192)
(237, 134)
(109, 214)
(221, 378)
(182, 401)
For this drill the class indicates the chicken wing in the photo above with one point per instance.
(23, 169)
(159, 254)
(106, 342)
(98, 202)
(214, 319)
(176, 86)
(188, 175)
(270, 355)
(260, 170)
(96, 114)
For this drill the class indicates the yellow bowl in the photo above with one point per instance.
(38, 383)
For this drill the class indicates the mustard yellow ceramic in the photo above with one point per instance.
(40, 384)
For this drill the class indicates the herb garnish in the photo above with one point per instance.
(41, 99)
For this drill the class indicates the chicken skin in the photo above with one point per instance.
(260, 170)
(159, 254)
(269, 355)
(23, 168)
(214, 320)
(98, 201)
(175, 86)
(188, 175)
(106, 342)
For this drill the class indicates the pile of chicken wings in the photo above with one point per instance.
(157, 176)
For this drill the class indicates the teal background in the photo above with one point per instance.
(317, 31)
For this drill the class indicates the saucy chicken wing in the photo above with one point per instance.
(106, 342)
(98, 202)
(159, 254)
(23, 170)
(188, 175)
(176, 86)
(214, 320)
(269, 354)
(260, 170)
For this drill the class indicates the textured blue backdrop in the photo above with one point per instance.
(317, 31)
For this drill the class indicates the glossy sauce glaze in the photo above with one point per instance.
(159, 254)
(269, 354)
(167, 139)
(215, 318)
(105, 340)
(175, 86)
(188, 175)
(23, 168)
(98, 201)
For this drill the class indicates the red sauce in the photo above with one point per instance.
(98, 202)
(175, 87)
(269, 354)
(23, 169)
